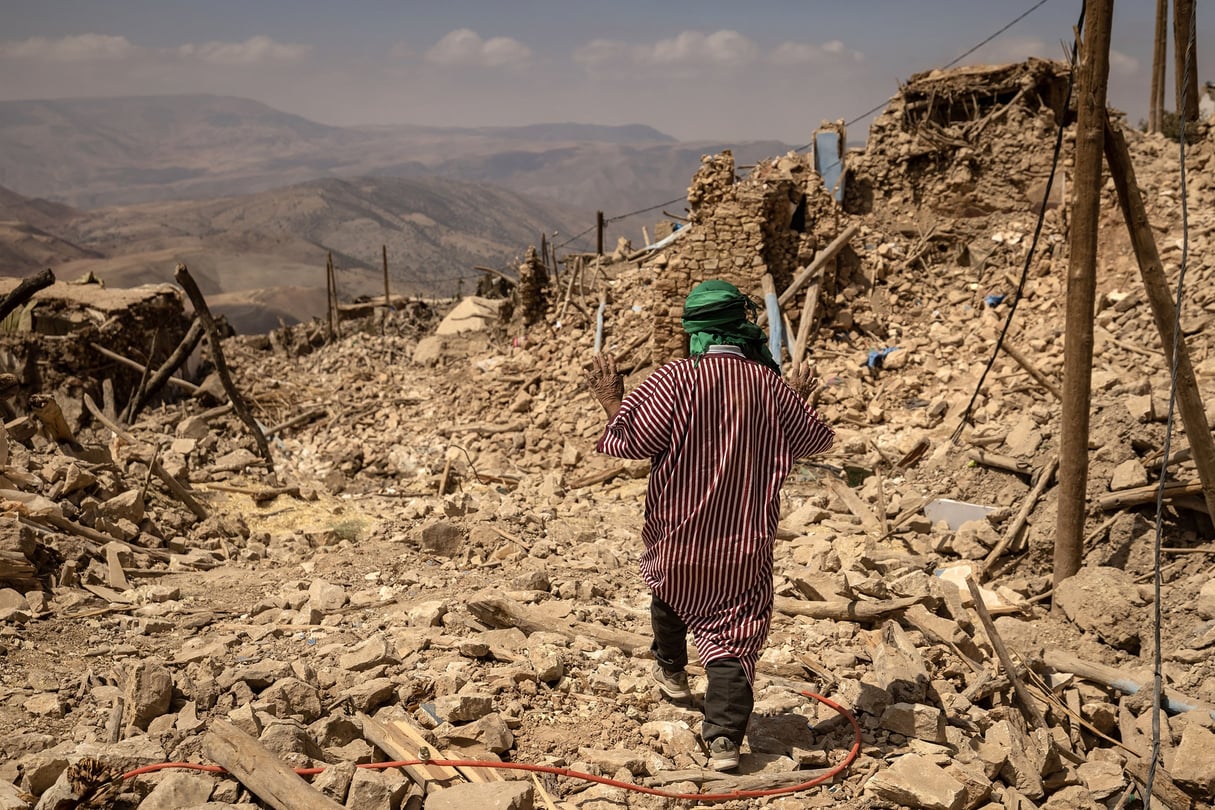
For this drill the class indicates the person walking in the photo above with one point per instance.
(722, 430)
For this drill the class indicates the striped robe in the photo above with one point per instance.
(722, 433)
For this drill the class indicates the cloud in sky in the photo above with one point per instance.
(253, 51)
(76, 48)
(724, 48)
(80, 48)
(465, 48)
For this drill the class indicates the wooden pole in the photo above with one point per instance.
(329, 292)
(1185, 62)
(184, 349)
(265, 775)
(1193, 412)
(805, 324)
(1160, 48)
(1030, 709)
(387, 295)
(1093, 78)
(599, 233)
(221, 365)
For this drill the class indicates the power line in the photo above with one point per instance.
(1033, 245)
(951, 63)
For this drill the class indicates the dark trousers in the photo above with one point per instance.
(728, 698)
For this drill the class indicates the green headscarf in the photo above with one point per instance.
(716, 313)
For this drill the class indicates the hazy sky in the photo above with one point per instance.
(707, 69)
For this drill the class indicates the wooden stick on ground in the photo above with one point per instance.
(1027, 508)
(1030, 709)
(1033, 371)
(265, 775)
(25, 291)
(1147, 494)
(242, 410)
(179, 491)
(842, 611)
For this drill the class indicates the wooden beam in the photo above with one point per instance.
(1189, 399)
(225, 376)
(265, 775)
(820, 259)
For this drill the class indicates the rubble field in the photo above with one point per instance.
(436, 566)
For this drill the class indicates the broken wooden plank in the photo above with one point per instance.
(265, 775)
(396, 744)
(164, 374)
(855, 505)
(185, 385)
(1032, 713)
(1137, 496)
(1121, 680)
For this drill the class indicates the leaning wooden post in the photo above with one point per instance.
(820, 260)
(25, 291)
(1081, 289)
(1193, 413)
(238, 402)
(805, 324)
(184, 349)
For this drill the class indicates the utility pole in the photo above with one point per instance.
(599, 228)
(1185, 62)
(1092, 80)
(1160, 57)
(387, 296)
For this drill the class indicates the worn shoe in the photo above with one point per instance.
(723, 754)
(673, 684)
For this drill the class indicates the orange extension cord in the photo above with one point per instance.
(522, 766)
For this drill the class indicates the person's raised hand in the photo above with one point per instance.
(804, 380)
(606, 382)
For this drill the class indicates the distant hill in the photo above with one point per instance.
(24, 250)
(40, 213)
(263, 255)
(116, 151)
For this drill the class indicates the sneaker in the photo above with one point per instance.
(673, 684)
(723, 754)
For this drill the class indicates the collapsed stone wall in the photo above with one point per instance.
(769, 222)
(50, 343)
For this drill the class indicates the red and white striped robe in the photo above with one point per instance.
(722, 433)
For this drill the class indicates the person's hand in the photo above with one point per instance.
(804, 380)
(605, 382)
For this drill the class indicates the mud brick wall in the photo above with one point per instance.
(768, 222)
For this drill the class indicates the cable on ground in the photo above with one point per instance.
(733, 795)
